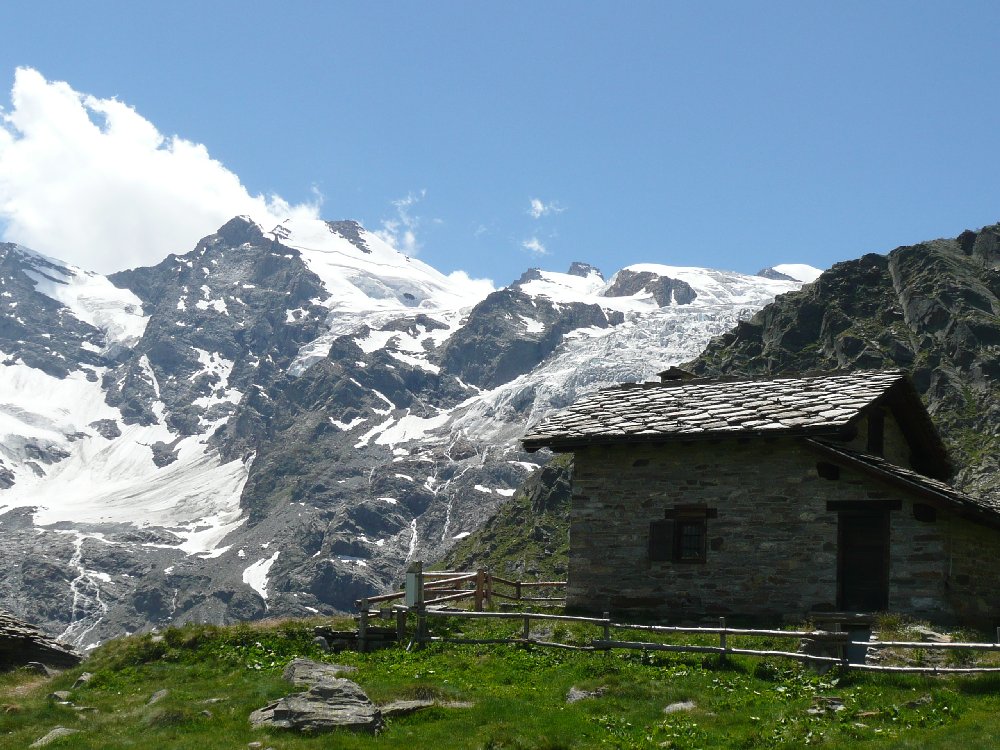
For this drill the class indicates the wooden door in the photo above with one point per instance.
(863, 561)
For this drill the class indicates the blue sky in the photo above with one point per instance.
(734, 135)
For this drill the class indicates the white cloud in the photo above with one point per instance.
(534, 246)
(401, 231)
(477, 288)
(538, 208)
(92, 182)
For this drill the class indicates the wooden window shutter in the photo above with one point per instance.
(661, 540)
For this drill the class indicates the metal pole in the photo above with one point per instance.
(722, 639)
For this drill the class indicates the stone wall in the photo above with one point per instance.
(772, 548)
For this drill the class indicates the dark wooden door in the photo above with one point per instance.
(863, 561)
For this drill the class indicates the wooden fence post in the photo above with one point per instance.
(400, 625)
(363, 627)
(526, 632)
(480, 589)
(998, 636)
(517, 590)
(841, 645)
(421, 625)
(722, 639)
(489, 590)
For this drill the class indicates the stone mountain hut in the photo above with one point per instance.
(770, 499)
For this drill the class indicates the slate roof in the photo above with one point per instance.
(911, 480)
(814, 405)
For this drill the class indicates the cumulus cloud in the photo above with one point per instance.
(92, 182)
(476, 288)
(534, 246)
(539, 208)
(401, 230)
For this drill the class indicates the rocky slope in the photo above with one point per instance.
(931, 308)
(276, 422)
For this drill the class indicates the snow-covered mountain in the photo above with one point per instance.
(277, 421)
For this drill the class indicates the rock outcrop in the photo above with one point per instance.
(21, 644)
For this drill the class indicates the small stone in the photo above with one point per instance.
(82, 680)
(679, 706)
(158, 696)
(62, 696)
(38, 668)
(921, 701)
(928, 635)
(85, 709)
(206, 713)
(576, 694)
(52, 736)
(321, 643)
(404, 708)
(309, 672)
(255, 745)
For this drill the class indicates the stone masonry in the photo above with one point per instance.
(772, 547)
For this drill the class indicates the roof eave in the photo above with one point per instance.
(563, 445)
(970, 509)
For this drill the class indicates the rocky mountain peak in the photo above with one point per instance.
(577, 268)
(350, 231)
(665, 290)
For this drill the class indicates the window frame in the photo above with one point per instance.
(667, 536)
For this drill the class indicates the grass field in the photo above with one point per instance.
(216, 676)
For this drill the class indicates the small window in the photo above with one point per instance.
(682, 536)
(691, 537)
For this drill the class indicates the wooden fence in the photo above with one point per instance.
(482, 587)
(833, 645)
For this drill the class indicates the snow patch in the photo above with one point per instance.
(256, 575)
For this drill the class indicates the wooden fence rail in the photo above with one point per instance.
(479, 586)
(835, 642)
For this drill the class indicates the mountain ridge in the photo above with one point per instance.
(284, 418)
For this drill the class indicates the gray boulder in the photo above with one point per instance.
(332, 704)
(309, 672)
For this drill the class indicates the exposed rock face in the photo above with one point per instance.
(665, 291)
(930, 308)
(494, 347)
(577, 268)
(21, 643)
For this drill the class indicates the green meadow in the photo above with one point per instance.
(216, 676)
